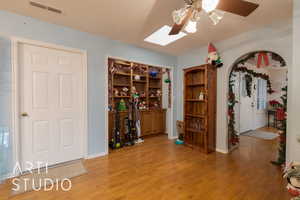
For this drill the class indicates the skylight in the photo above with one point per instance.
(162, 37)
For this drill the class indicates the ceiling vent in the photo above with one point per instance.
(41, 6)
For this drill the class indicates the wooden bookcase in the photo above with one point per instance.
(200, 113)
(123, 74)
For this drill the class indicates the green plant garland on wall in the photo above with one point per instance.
(233, 137)
(282, 140)
(256, 75)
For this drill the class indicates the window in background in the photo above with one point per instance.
(261, 94)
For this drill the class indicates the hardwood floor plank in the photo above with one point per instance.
(160, 170)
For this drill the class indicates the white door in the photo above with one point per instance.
(246, 108)
(51, 84)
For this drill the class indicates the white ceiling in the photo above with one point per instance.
(131, 21)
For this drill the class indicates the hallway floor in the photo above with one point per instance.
(159, 169)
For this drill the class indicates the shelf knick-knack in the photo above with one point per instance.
(201, 96)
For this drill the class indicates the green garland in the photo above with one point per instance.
(249, 80)
(282, 144)
(256, 75)
(233, 137)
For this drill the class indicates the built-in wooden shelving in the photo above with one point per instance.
(125, 74)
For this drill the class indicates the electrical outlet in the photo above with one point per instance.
(298, 138)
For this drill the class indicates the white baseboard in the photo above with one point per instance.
(222, 151)
(96, 155)
(7, 176)
(173, 138)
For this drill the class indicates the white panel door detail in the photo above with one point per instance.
(52, 96)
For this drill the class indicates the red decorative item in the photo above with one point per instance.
(274, 103)
(294, 193)
(262, 57)
(280, 114)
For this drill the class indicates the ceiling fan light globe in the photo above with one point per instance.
(216, 16)
(196, 16)
(191, 27)
(178, 15)
(209, 5)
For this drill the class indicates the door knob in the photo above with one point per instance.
(24, 114)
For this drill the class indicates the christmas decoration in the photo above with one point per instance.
(256, 75)
(158, 93)
(143, 94)
(122, 105)
(233, 137)
(248, 80)
(213, 57)
(262, 56)
(124, 91)
(137, 77)
(282, 139)
(201, 96)
(274, 103)
(134, 93)
(153, 73)
(116, 92)
(168, 80)
(292, 174)
(142, 105)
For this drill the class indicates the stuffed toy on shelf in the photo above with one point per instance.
(124, 91)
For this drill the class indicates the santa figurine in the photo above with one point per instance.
(213, 57)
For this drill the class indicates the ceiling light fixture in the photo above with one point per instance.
(192, 9)
(209, 5)
(191, 27)
(162, 37)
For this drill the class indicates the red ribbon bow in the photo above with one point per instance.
(262, 57)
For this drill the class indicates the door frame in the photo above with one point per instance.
(15, 107)
(171, 124)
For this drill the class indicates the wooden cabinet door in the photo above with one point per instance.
(146, 123)
(160, 122)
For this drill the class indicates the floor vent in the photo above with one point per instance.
(38, 5)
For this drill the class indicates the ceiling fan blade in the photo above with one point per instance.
(177, 27)
(238, 7)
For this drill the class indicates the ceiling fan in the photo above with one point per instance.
(188, 16)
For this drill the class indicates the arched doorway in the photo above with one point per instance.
(257, 98)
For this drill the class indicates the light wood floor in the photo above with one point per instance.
(161, 170)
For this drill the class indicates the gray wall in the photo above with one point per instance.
(98, 49)
(276, 37)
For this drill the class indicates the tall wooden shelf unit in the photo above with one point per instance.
(153, 118)
(200, 114)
